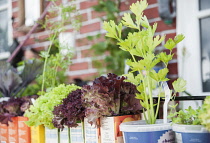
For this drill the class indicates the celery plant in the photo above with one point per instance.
(141, 46)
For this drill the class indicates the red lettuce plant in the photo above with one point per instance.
(70, 111)
(14, 107)
(109, 96)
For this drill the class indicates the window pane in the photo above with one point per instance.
(205, 53)
(3, 2)
(31, 14)
(204, 4)
(3, 31)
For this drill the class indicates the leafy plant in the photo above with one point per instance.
(70, 111)
(58, 61)
(14, 82)
(188, 117)
(205, 113)
(14, 107)
(141, 46)
(109, 96)
(41, 111)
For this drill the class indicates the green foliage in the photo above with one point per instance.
(188, 117)
(57, 62)
(41, 111)
(141, 46)
(205, 113)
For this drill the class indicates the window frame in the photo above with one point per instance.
(189, 66)
(21, 13)
(8, 6)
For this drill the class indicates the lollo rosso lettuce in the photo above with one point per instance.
(109, 96)
(14, 107)
(70, 111)
(41, 111)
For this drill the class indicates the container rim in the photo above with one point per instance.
(141, 126)
(189, 128)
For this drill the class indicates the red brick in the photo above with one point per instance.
(172, 68)
(38, 49)
(79, 66)
(151, 13)
(14, 4)
(171, 35)
(15, 14)
(88, 4)
(162, 26)
(84, 17)
(151, 1)
(85, 41)
(85, 77)
(90, 28)
(95, 14)
(17, 34)
(29, 41)
(87, 53)
(43, 37)
(126, 5)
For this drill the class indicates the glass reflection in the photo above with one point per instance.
(204, 4)
(3, 2)
(3, 31)
(205, 53)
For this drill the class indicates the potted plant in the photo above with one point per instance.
(112, 100)
(188, 125)
(141, 46)
(70, 114)
(12, 84)
(108, 96)
(41, 112)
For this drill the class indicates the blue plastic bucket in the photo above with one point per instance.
(191, 134)
(140, 132)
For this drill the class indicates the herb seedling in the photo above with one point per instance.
(188, 117)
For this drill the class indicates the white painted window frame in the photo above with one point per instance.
(7, 6)
(189, 66)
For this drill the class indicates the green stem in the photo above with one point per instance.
(45, 63)
(59, 138)
(151, 100)
(69, 135)
(146, 98)
(158, 104)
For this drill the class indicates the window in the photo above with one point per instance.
(32, 14)
(5, 28)
(193, 20)
(29, 12)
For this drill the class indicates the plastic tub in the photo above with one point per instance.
(140, 132)
(191, 134)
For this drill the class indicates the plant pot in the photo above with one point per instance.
(191, 134)
(140, 132)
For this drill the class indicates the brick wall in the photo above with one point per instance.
(82, 66)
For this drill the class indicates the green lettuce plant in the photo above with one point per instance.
(41, 112)
(188, 117)
(205, 113)
(141, 46)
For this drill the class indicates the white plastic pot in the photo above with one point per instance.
(191, 134)
(140, 132)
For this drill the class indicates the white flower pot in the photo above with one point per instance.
(191, 134)
(140, 132)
